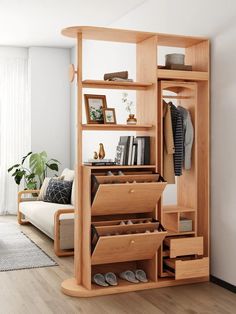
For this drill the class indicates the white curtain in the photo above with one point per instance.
(15, 127)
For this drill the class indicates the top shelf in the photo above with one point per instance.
(130, 36)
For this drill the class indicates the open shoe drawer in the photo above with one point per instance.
(184, 246)
(127, 247)
(188, 268)
(124, 198)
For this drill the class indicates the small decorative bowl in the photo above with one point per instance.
(175, 58)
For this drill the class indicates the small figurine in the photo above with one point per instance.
(95, 155)
(101, 153)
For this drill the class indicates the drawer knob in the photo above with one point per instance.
(132, 242)
(131, 191)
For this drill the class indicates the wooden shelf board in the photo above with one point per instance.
(182, 75)
(71, 288)
(122, 167)
(130, 36)
(115, 85)
(177, 209)
(172, 233)
(116, 127)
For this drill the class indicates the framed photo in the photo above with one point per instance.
(109, 116)
(94, 105)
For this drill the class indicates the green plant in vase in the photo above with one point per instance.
(129, 107)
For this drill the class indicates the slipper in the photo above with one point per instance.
(111, 279)
(129, 276)
(141, 275)
(99, 279)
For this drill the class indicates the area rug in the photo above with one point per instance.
(17, 251)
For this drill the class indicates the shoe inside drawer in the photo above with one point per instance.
(188, 268)
(184, 246)
(124, 198)
(127, 247)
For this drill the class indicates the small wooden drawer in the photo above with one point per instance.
(189, 268)
(122, 198)
(130, 247)
(184, 246)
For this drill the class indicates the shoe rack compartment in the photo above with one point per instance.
(188, 268)
(127, 247)
(113, 196)
(184, 246)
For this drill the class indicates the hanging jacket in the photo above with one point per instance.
(169, 148)
(177, 126)
(188, 136)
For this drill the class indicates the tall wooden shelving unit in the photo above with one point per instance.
(160, 252)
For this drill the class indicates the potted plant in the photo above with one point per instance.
(129, 107)
(33, 176)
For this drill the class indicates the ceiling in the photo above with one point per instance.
(27, 23)
(39, 22)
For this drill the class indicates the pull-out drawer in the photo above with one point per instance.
(184, 246)
(124, 198)
(189, 268)
(128, 247)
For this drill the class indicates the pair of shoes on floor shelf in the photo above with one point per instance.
(120, 173)
(110, 279)
(135, 276)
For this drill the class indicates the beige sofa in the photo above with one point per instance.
(55, 220)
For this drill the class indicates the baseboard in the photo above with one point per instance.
(223, 284)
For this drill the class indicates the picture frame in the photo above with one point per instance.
(109, 115)
(94, 105)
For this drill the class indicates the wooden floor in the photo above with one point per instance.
(38, 291)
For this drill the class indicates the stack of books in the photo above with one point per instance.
(99, 162)
(133, 151)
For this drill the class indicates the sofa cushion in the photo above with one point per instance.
(69, 175)
(41, 214)
(44, 187)
(58, 192)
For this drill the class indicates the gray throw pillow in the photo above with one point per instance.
(58, 192)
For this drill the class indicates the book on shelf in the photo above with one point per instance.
(133, 151)
(119, 155)
(99, 162)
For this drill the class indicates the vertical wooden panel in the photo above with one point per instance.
(146, 58)
(199, 56)
(147, 112)
(78, 176)
(86, 227)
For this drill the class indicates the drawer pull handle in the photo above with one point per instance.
(131, 191)
(132, 242)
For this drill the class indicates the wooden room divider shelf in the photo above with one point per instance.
(142, 200)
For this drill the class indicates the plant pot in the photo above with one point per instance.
(131, 119)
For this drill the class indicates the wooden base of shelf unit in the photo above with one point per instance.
(69, 287)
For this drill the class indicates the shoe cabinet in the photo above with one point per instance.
(170, 243)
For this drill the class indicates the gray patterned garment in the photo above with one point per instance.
(188, 136)
(178, 133)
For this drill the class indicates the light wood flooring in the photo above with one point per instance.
(36, 291)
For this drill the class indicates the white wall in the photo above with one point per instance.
(50, 102)
(223, 196)
(101, 57)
